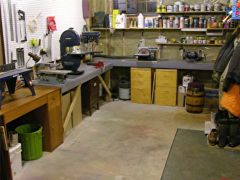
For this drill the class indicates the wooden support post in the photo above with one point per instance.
(153, 86)
(105, 86)
(71, 107)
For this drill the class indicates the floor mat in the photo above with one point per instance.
(190, 158)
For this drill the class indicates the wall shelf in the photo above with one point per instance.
(181, 44)
(194, 12)
(183, 29)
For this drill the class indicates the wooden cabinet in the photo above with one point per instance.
(44, 108)
(166, 87)
(90, 95)
(141, 83)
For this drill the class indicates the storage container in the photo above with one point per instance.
(16, 159)
(31, 139)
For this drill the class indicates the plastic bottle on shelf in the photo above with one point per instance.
(164, 23)
(176, 22)
(140, 21)
(181, 22)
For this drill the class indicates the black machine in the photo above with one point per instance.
(9, 75)
(193, 56)
(70, 38)
(147, 54)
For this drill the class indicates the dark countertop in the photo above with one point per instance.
(91, 72)
(73, 81)
(165, 64)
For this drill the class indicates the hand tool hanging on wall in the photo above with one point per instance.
(10, 19)
(15, 21)
(23, 31)
(20, 57)
(6, 47)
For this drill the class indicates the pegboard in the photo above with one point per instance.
(67, 14)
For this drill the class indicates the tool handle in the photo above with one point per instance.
(21, 14)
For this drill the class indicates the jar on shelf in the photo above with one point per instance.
(160, 22)
(186, 22)
(204, 23)
(195, 41)
(175, 8)
(197, 7)
(209, 23)
(186, 8)
(209, 7)
(170, 22)
(203, 7)
(176, 22)
(200, 23)
(164, 23)
(191, 22)
(195, 22)
(181, 8)
(217, 7)
(169, 8)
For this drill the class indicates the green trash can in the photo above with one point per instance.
(30, 136)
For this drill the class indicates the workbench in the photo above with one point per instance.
(161, 64)
(45, 109)
(71, 92)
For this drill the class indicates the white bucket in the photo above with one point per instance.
(16, 159)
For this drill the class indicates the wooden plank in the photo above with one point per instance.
(66, 102)
(71, 107)
(5, 164)
(77, 110)
(105, 86)
(54, 120)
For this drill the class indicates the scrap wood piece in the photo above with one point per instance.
(105, 86)
(71, 107)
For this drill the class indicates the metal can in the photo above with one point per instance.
(204, 41)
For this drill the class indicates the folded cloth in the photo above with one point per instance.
(231, 100)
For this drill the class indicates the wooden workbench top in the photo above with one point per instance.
(23, 99)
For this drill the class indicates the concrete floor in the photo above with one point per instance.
(121, 141)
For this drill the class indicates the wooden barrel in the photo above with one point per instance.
(195, 98)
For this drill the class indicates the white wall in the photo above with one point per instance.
(68, 13)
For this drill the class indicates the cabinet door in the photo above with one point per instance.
(141, 81)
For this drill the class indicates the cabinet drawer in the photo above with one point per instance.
(141, 78)
(140, 96)
(165, 96)
(166, 78)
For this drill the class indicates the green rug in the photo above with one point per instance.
(190, 158)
